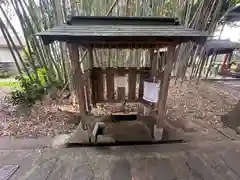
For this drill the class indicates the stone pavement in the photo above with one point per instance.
(201, 161)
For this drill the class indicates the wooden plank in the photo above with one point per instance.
(110, 83)
(158, 74)
(94, 78)
(121, 71)
(91, 58)
(117, 101)
(99, 84)
(145, 74)
(121, 93)
(132, 81)
(153, 60)
(88, 90)
(165, 86)
(143, 69)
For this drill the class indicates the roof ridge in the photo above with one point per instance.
(125, 20)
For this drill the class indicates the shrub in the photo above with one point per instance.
(28, 92)
(4, 74)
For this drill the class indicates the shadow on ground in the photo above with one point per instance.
(232, 118)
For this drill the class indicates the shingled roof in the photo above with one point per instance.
(220, 47)
(92, 30)
(232, 15)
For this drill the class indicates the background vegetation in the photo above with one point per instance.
(44, 67)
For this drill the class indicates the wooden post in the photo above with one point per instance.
(77, 79)
(89, 81)
(153, 62)
(132, 81)
(110, 83)
(165, 86)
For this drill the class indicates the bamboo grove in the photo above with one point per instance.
(38, 15)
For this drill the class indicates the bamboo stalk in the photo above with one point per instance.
(22, 20)
(201, 68)
(16, 35)
(198, 14)
(108, 13)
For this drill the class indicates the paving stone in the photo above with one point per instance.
(24, 159)
(180, 167)
(82, 171)
(215, 161)
(199, 169)
(163, 162)
(42, 171)
(161, 169)
(61, 170)
(121, 170)
(7, 171)
(151, 168)
(232, 161)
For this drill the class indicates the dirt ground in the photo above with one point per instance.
(202, 104)
(43, 119)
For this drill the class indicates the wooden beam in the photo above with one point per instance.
(165, 86)
(153, 61)
(77, 78)
(91, 58)
(110, 83)
(132, 81)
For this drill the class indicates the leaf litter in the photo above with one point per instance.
(201, 104)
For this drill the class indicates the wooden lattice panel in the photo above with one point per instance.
(105, 89)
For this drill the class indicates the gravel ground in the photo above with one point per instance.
(202, 104)
(43, 119)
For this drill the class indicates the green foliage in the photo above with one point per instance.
(28, 95)
(12, 83)
(4, 74)
(28, 92)
(234, 2)
(36, 16)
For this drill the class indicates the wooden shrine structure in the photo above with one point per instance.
(142, 33)
(212, 48)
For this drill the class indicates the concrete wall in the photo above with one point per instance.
(7, 63)
(5, 55)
